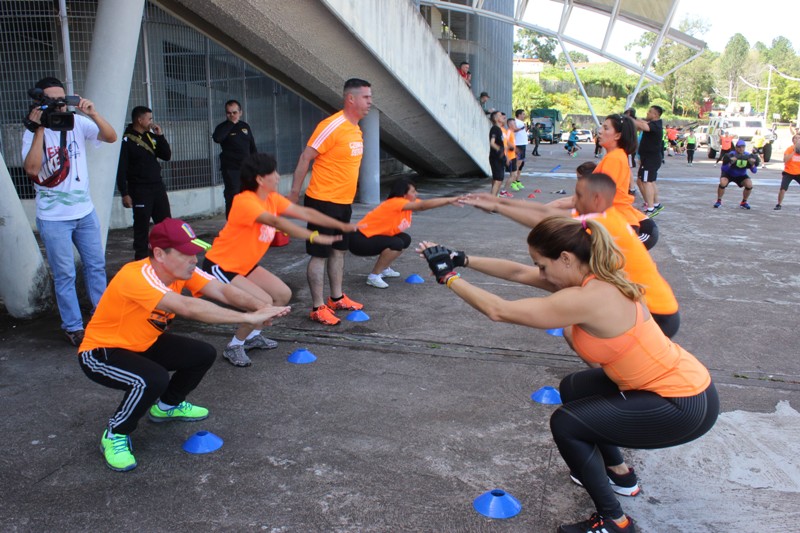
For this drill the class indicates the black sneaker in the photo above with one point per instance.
(777, 207)
(75, 338)
(624, 485)
(597, 524)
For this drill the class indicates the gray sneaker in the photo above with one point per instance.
(260, 342)
(236, 356)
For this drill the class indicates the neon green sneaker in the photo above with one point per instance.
(117, 452)
(185, 411)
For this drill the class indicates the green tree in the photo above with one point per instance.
(530, 44)
(731, 64)
(527, 94)
(577, 57)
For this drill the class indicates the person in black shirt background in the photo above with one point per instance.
(139, 176)
(235, 137)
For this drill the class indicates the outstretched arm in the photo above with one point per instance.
(320, 219)
(431, 203)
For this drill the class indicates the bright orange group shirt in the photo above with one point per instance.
(643, 358)
(243, 242)
(510, 147)
(334, 176)
(615, 165)
(793, 165)
(639, 265)
(388, 218)
(127, 316)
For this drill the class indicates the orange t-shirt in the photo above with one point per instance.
(334, 176)
(510, 146)
(639, 265)
(643, 358)
(615, 164)
(389, 218)
(726, 142)
(127, 316)
(243, 242)
(792, 166)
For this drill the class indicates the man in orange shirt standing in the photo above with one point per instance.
(791, 168)
(126, 346)
(336, 147)
(725, 145)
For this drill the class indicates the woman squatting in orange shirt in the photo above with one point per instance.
(382, 231)
(647, 392)
(256, 213)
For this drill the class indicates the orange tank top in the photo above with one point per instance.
(643, 358)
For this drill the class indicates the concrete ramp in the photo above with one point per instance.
(429, 118)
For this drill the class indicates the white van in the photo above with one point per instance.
(741, 128)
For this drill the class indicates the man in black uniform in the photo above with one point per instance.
(139, 176)
(650, 155)
(235, 137)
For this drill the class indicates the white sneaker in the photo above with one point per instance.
(389, 273)
(376, 281)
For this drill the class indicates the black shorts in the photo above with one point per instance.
(738, 181)
(224, 276)
(787, 179)
(498, 169)
(521, 149)
(364, 246)
(341, 212)
(648, 174)
(512, 165)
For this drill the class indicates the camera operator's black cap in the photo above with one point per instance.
(46, 83)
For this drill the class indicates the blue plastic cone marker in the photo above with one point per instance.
(556, 332)
(301, 356)
(357, 316)
(202, 442)
(497, 503)
(414, 278)
(547, 395)
(555, 168)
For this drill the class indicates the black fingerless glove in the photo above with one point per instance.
(459, 257)
(440, 262)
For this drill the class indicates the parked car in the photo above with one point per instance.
(584, 136)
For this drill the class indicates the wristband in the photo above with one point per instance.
(449, 280)
(314, 235)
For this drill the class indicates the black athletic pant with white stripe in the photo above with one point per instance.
(144, 376)
(596, 418)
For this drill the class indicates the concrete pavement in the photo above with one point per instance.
(404, 419)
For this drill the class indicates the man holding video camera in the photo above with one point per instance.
(54, 159)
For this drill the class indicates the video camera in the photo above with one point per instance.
(52, 118)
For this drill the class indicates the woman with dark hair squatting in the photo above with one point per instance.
(647, 393)
(381, 231)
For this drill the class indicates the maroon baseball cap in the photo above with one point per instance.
(177, 234)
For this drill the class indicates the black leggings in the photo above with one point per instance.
(647, 232)
(364, 246)
(690, 153)
(669, 324)
(596, 418)
(144, 376)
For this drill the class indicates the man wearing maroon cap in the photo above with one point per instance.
(126, 346)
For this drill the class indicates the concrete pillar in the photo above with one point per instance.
(24, 282)
(108, 81)
(369, 175)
